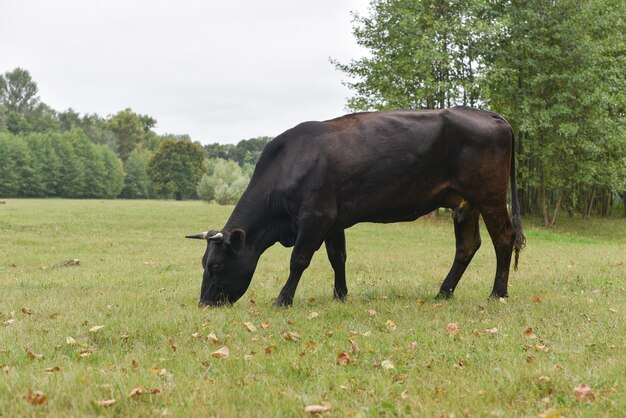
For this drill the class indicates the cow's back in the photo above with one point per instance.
(390, 166)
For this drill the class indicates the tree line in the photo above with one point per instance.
(47, 153)
(555, 69)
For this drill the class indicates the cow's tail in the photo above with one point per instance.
(520, 239)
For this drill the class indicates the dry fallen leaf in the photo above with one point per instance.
(313, 315)
(537, 299)
(164, 374)
(492, 331)
(355, 346)
(96, 328)
(222, 353)
(268, 350)
(52, 369)
(528, 332)
(26, 311)
(173, 345)
(106, 403)
(387, 365)
(196, 335)
(213, 338)
(291, 336)
(391, 326)
(33, 356)
(343, 359)
(584, 393)
(317, 409)
(70, 341)
(452, 328)
(249, 326)
(35, 398)
(9, 322)
(142, 390)
(265, 325)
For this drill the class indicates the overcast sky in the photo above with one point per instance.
(220, 71)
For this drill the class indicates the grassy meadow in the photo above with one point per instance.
(121, 334)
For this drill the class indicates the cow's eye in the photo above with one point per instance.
(215, 266)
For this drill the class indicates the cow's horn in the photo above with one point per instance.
(217, 237)
(201, 235)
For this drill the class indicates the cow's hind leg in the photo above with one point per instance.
(502, 235)
(311, 234)
(467, 243)
(336, 249)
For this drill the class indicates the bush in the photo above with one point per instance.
(224, 184)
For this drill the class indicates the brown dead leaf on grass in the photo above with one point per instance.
(317, 409)
(222, 353)
(33, 356)
(173, 345)
(9, 322)
(291, 336)
(106, 403)
(27, 311)
(268, 350)
(213, 338)
(143, 391)
(528, 332)
(249, 326)
(355, 347)
(36, 397)
(343, 359)
(584, 393)
(96, 328)
(452, 328)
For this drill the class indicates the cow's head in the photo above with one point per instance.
(228, 266)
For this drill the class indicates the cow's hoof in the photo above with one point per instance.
(498, 296)
(442, 295)
(282, 302)
(340, 296)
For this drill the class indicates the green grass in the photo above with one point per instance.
(140, 280)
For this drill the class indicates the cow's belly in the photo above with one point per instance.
(400, 203)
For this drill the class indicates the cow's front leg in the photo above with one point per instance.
(311, 234)
(336, 250)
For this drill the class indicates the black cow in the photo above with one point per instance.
(319, 178)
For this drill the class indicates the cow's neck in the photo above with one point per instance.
(253, 215)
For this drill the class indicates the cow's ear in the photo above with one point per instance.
(237, 240)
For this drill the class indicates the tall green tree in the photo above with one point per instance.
(15, 169)
(18, 91)
(45, 164)
(176, 168)
(130, 130)
(422, 54)
(137, 183)
(114, 172)
(20, 108)
(560, 81)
